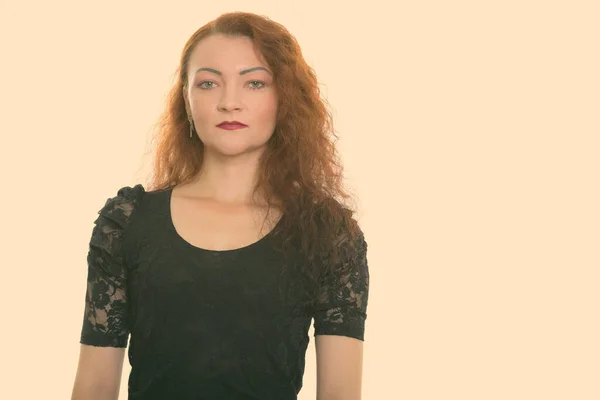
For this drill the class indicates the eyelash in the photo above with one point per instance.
(252, 88)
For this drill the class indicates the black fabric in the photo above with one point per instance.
(205, 324)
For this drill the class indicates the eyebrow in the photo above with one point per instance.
(245, 71)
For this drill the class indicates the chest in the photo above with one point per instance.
(211, 226)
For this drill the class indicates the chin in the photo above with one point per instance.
(235, 149)
(235, 142)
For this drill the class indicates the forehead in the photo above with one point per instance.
(225, 53)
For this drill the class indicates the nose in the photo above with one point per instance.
(230, 100)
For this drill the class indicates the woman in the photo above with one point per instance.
(218, 271)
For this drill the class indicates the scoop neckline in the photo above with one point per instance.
(181, 239)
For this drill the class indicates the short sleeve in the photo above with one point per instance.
(105, 320)
(341, 308)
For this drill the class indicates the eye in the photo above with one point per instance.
(254, 85)
(202, 83)
(259, 87)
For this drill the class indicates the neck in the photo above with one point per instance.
(228, 181)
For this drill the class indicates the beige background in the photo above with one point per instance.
(470, 132)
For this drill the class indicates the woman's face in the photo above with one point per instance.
(227, 81)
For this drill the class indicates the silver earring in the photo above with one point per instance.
(191, 127)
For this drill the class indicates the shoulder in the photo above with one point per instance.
(349, 235)
(119, 207)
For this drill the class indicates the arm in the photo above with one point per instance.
(105, 328)
(340, 317)
(339, 367)
(98, 373)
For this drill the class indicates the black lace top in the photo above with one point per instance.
(204, 324)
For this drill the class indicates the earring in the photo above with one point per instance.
(191, 127)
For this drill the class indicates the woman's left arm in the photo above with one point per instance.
(340, 316)
(339, 367)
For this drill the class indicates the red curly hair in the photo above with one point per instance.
(300, 170)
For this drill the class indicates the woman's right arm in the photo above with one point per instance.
(98, 373)
(105, 328)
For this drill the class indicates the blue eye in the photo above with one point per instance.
(202, 83)
(259, 82)
(254, 85)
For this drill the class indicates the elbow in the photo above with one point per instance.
(82, 391)
(341, 394)
(339, 397)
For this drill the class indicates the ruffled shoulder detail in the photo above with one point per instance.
(106, 320)
(119, 208)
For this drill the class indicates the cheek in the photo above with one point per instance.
(205, 112)
(268, 110)
(202, 102)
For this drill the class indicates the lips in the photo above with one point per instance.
(231, 124)
(231, 127)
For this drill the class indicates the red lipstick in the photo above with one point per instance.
(231, 125)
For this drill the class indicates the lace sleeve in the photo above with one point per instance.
(105, 321)
(342, 305)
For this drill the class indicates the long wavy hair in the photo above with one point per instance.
(300, 171)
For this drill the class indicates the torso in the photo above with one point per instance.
(214, 308)
(211, 225)
(226, 324)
